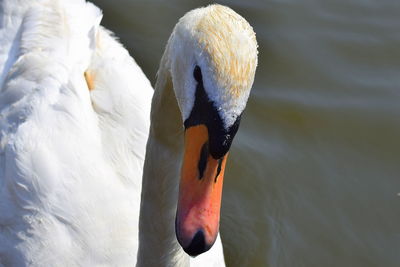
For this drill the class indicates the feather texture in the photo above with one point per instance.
(71, 160)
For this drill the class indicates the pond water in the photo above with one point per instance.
(313, 178)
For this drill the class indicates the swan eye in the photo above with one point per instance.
(197, 74)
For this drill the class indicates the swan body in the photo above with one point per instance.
(74, 122)
(71, 160)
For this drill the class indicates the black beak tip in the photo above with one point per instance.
(198, 245)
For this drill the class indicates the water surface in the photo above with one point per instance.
(314, 174)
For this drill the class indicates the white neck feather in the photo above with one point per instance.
(157, 241)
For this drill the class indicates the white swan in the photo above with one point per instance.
(74, 109)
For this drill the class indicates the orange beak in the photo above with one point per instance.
(200, 193)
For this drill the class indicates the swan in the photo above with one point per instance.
(76, 137)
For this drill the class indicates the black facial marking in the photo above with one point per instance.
(205, 112)
(218, 169)
(203, 160)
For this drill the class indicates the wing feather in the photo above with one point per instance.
(70, 159)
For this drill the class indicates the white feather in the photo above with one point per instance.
(70, 169)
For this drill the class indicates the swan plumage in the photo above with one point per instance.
(74, 122)
(71, 159)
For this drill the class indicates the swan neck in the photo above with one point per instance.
(157, 242)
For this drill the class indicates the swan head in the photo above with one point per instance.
(212, 58)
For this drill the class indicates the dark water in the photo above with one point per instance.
(314, 175)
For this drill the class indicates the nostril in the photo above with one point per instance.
(198, 245)
(203, 160)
